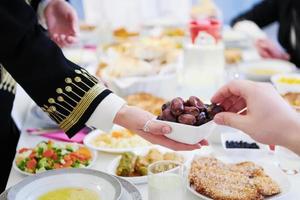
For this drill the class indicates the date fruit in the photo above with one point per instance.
(196, 102)
(187, 119)
(214, 109)
(168, 116)
(177, 106)
(191, 112)
(166, 105)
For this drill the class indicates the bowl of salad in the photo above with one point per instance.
(49, 155)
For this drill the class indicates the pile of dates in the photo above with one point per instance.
(191, 112)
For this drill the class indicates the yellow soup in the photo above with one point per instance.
(288, 80)
(264, 71)
(70, 194)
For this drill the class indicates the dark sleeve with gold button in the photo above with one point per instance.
(68, 93)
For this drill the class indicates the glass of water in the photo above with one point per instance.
(166, 180)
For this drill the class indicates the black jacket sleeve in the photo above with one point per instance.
(68, 93)
(34, 4)
(263, 13)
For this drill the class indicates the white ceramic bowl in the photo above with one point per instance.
(189, 134)
(273, 65)
(106, 186)
(284, 88)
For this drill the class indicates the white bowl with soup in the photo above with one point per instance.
(67, 184)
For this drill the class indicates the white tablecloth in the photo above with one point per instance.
(104, 159)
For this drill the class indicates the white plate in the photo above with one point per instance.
(106, 186)
(272, 170)
(284, 88)
(112, 167)
(278, 66)
(189, 134)
(94, 158)
(87, 141)
(240, 136)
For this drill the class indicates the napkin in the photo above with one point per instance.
(60, 135)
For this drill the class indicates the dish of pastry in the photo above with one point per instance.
(146, 101)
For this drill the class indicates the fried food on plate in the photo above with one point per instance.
(242, 181)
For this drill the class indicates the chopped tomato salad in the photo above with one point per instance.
(50, 155)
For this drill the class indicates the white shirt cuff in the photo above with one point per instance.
(104, 115)
(41, 10)
(251, 29)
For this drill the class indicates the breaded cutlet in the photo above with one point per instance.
(242, 181)
(222, 184)
(247, 168)
(266, 186)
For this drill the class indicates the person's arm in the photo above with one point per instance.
(64, 90)
(265, 116)
(59, 18)
(68, 93)
(262, 14)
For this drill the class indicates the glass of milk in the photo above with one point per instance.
(166, 180)
(203, 65)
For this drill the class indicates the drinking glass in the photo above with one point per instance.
(166, 180)
(287, 160)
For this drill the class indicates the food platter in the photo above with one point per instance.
(112, 167)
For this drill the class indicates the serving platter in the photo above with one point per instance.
(112, 167)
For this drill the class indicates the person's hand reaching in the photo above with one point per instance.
(267, 49)
(263, 114)
(135, 119)
(62, 22)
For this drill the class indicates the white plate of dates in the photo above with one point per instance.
(190, 120)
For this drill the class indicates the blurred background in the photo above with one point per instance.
(118, 12)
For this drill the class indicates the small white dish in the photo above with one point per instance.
(189, 134)
(284, 88)
(31, 188)
(240, 136)
(112, 167)
(263, 70)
